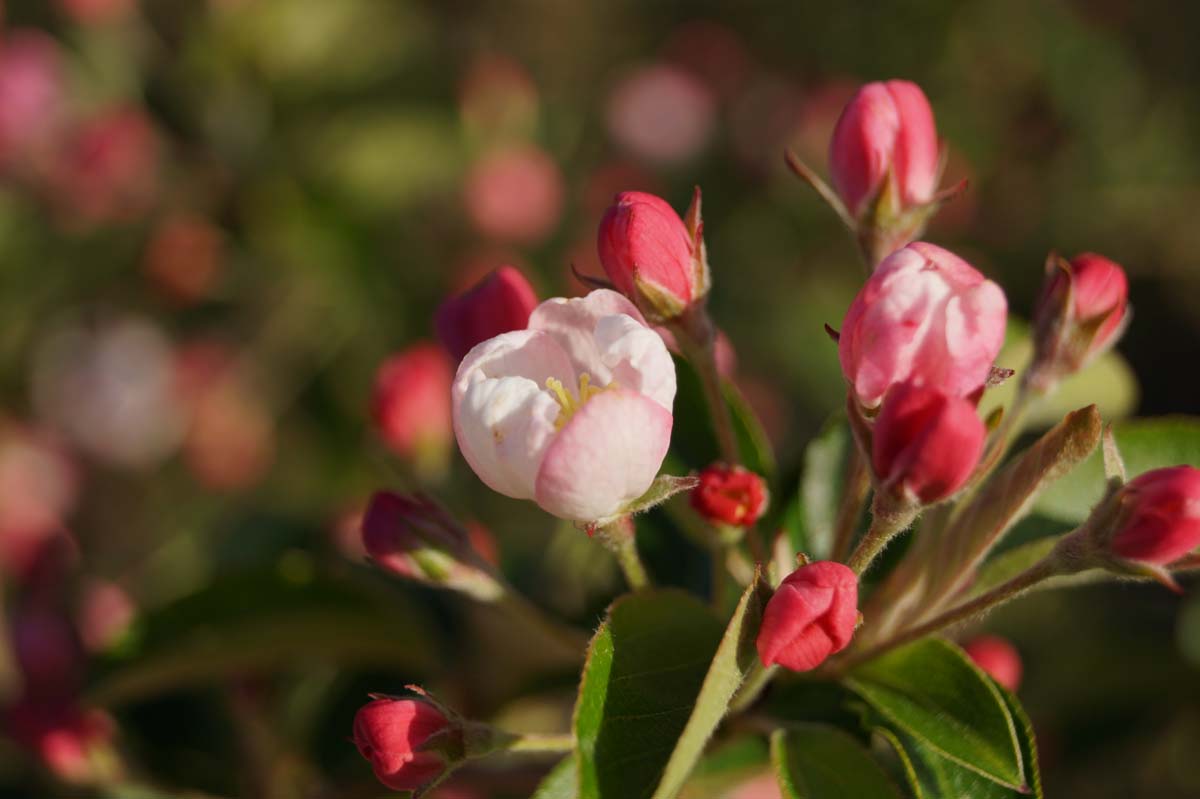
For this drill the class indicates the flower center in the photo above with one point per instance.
(569, 403)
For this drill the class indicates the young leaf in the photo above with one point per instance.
(735, 656)
(694, 438)
(753, 441)
(816, 761)
(931, 691)
(560, 783)
(1144, 443)
(644, 671)
(821, 486)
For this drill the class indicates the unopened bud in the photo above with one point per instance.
(500, 302)
(408, 742)
(730, 495)
(998, 658)
(812, 615)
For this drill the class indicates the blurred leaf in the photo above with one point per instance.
(1004, 567)
(725, 766)
(1144, 443)
(694, 438)
(561, 782)
(261, 621)
(644, 672)
(811, 517)
(815, 761)
(1109, 382)
(753, 442)
(932, 692)
(735, 656)
(974, 529)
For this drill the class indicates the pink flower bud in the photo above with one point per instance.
(925, 315)
(886, 132)
(393, 734)
(109, 171)
(650, 255)
(64, 737)
(811, 616)
(1160, 515)
(32, 96)
(105, 614)
(398, 531)
(515, 194)
(730, 495)
(1081, 314)
(926, 444)
(411, 403)
(500, 302)
(998, 658)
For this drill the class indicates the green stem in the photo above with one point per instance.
(854, 494)
(619, 538)
(1042, 570)
(888, 520)
(696, 336)
(752, 687)
(549, 744)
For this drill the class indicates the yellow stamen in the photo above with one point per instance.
(568, 403)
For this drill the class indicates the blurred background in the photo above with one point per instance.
(218, 218)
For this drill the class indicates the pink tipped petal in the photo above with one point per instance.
(860, 152)
(916, 156)
(637, 358)
(606, 456)
(572, 323)
(789, 615)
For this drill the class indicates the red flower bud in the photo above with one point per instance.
(1081, 314)
(392, 734)
(926, 444)
(811, 616)
(65, 737)
(651, 256)
(411, 403)
(886, 130)
(1160, 515)
(497, 304)
(730, 495)
(998, 658)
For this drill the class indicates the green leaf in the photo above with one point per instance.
(645, 669)
(1145, 444)
(811, 519)
(816, 761)
(694, 438)
(735, 656)
(931, 691)
(975, 528)
(1109, 382)
(561, 782)
(753, 442)
(726, 766)
(264, 620)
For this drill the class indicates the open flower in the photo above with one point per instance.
(574, 412)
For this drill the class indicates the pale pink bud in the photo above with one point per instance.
(650, 255)
(1160, 515)
(886, 132)
(105, 614)
(925, 444)
(998, 658)
(730, 495)
(661, 113)
(515, 194)
(1082, 312)
(32, 94)
(411, 401)
(109, 171)
(499, 303)
(573, 412)
(392, 734)
(38, 482)
(925, 315)
(811, 616)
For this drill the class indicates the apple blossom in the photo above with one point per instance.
(392, 733)
(924, 315)
(730, 495)
(574, 412)
(1160, 515)
(811, 616)
(410, 404)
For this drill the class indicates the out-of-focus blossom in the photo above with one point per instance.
(926, 444)
(730, 495)
(811, 616)
(110, 389)
(925, 315)
(38, 482)
(515, 194)
(1159, 515)
(108, 170)
(498, 99)
(998, 658)
(411, 403)
(394, 736)
(105, 614)
(764, 786)
(70, 741)
(183, 257)
(499, 303)
(885, 146)
(661, 113)
(573, 412)
(95, 12)
(32, 97)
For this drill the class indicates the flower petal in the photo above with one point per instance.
(605, 457)
(572, 323)
(637, 358)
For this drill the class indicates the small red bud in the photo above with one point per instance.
(926, 444)
(730, 495)
(811, 616)
(500, 302)
(392, 735)
(411, 402)
(998, 658)
(1068, 335)
(1160, 515)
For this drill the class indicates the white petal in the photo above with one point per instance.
(572, 323)
(637, 358)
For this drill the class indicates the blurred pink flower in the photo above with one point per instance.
(95, 12)
(537, 415)
(62, 735)
(38, 481)
(515, 194)
(104, 615)
(998, 658)
(411, 402)
(183, 257)
(925, 315)
(764, 786)
(32, 97)
(661, 113)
